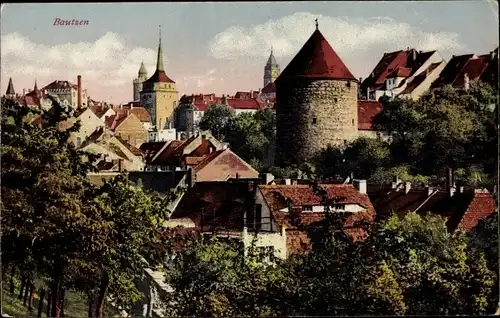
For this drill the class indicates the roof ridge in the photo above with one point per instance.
(202, 164)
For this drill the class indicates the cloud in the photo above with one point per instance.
(287, 35)
(108, 61)
(200, 81)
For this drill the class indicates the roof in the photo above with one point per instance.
(165, 153)
(159, 77)
(367, 110)
(269, 88)
(400, 71)
(207, 159)
(135, 151)
(235, 103)
(316, 59)
(463, 210)
(139, 111)
(10, 88)
(142, 69)
(159, 181)
(387, 63)
(218, 205)
(59, 85)
(271, 61)
(417, 80)
(150, 149)
(451, 70)
(246, 95)
(474, 68)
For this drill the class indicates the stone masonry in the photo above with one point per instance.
(313, 113)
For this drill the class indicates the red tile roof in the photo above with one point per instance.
(419, 79)
(316, 59)
(452, 69)
(269, 88)
(385, 66)
(244, 103)
(207, 159)
(202, 106)
(215, 205)
(474, 68)
(135, 151)
(367, 110)
(159, 77)
(400, 71)
(463, 210)
(482, 206)
(246, 95)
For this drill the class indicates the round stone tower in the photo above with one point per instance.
(316, 103)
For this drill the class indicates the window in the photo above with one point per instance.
(348, 84)
(314, 120)
(78, 141)
(353, 122)
(265, 253)
(258, 216)
(335, 99)
(307, 208)
(339, 207)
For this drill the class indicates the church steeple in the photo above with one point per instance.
(36, 87)
(271, 70)
(142, 70)
(159, 61)
(10, 88)
(271, 61)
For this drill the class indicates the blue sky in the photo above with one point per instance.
(222, 47)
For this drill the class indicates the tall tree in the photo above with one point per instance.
(217, 119)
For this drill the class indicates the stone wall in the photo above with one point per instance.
(312, 114)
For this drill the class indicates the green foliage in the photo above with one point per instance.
(403, 173)
(218, 120)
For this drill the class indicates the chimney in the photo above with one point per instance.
(466, 82)
(283, 230)
(407, 187)
(268, 178)
(79, 93)
(360, 185)
(360, 80)
(288, 181)
(429, 190)
(450, 187)
(120, 165)
(414, 56)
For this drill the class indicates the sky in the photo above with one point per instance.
(222, 47)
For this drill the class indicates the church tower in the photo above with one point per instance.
(10, 93)
(159, 95)
(271, 70)
(141, 77)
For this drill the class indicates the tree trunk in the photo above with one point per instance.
(56, 293)
(11, 282)
(40, 302)
(91, 301)
(102, 294)
(26, 292)
(63, 297)
(32, 295)
(21, 289)
(49, 301)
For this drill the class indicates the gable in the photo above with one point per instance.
(223, 165)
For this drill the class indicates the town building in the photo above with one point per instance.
(159, 96)
(127, 126)
(406, 73)
(67, 94)
(462, 70)
(316, 103)
(271, 73)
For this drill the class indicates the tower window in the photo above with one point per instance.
(335, 99)
(314, 120)
(348, 84)
(353, 122)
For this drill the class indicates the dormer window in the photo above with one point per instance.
(307, 208)
(338, 207)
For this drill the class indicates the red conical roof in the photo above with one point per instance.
(317, 60)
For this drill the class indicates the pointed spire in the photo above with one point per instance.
(271, 61)
(159, 61)
(10, 88)
(142, 69)
(36, 87)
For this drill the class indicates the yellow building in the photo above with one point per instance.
(159, 96)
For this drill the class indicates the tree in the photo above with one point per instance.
(217, 119)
